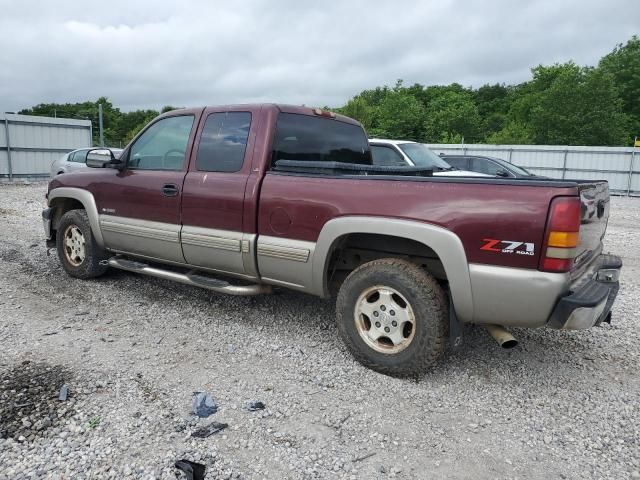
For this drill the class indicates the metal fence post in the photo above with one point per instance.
(510, 154)
(564, 164)
(633, 154)
(100, 125)
(6, 130)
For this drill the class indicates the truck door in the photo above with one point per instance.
(214, 234)
(139, 206)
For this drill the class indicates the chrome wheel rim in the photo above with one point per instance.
(384, 319)
(74, 245)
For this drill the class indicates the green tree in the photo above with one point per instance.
(623, 64)
(513, 133)
(400, 117)
(493, 102)
(87, 111)
(575, 105)
(452, 112)
(359, 109)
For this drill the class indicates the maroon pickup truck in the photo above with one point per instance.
(286, 196)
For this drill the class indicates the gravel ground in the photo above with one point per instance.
(134, 349)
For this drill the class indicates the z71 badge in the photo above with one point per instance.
(507, 246)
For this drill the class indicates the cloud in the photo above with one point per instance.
(146, 54)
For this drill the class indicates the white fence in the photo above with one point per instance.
(28, 144)
(619, 165)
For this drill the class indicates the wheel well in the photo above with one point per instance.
(352, 250)
(62, 206)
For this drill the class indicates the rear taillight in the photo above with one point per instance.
(561, 236)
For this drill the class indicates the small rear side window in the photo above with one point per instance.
(319, 139)
(223, 142)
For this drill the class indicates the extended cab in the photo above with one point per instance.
(285, 196)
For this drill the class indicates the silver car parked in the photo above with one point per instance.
(75, 160)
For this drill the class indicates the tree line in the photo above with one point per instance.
(118, 127)
(562, 104)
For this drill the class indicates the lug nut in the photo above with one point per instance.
(378, 324)
(394, 323)
(375, 314)
(386, 329)
(383, 308)
(392, 312)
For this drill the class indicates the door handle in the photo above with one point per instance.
(170, 190)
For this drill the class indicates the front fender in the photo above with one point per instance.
(86, 199)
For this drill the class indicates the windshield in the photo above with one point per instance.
(520, 170)
(421, 156)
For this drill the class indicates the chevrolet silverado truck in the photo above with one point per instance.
(241, 199)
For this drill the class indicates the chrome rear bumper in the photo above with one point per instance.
(590, 301)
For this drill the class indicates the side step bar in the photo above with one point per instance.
(192, 279)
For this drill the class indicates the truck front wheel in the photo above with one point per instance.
(78, 251)
(392, 315)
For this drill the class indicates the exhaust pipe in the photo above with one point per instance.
(502, 336)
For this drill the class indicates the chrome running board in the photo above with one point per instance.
(192, 278)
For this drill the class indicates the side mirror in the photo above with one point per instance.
(502, 173)
(102, 158)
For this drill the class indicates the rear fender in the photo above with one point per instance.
(446, 244)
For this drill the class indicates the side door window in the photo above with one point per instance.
(460, 163)
(79, 156)
(386, 156)
(162, 146)
(483, 165)
(223, 142)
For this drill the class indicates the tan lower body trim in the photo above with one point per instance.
(286, 262)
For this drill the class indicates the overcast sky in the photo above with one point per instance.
(150, 53)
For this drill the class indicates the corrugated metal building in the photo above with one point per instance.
(28, 144)
(619, 165)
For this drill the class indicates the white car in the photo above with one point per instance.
(402, 152)
(75, 160)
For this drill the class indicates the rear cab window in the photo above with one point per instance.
(319, 139)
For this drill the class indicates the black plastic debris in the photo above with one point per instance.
(207, 431)
(64, 393)
(203, 404)
(255, 405)
(193, 470)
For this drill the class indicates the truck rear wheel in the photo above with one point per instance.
(393, 317)
(78, 251)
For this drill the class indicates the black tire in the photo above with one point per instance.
(426, 299)
(89, 266)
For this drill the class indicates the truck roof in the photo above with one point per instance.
(281, 107)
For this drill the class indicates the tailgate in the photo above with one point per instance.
(594, 197)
